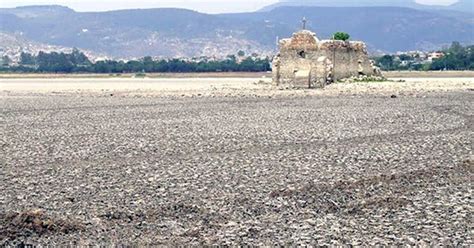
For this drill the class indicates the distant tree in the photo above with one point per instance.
(456, 57)
(78, 58)
(107, 66)
(456, 48)
(6, 61)
(148, 64)
(426, 67)
(55, 62)
(76, 61)
(247, 64)
(417, 67)
(386, 62)
(27, 59)
(341, 36)
(241, 53)
(405, 57)
(231, 58)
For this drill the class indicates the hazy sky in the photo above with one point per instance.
(209, 6)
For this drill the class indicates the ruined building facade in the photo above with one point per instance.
(306, 62)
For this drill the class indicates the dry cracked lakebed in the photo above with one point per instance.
(318, 170)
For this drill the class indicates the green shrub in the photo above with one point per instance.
(341, 36)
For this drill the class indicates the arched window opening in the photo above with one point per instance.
(302, 54)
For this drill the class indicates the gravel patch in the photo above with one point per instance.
(239, 170)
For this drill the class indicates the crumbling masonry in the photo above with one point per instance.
(306, 62)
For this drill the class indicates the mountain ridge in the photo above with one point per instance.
(462, 5)
(174, 32)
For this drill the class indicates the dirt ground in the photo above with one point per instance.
(389, 74)
(219, 86)
(428, 74)
(232, 161)
(148, 75)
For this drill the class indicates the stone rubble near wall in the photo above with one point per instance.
(363, 78)
(306, 62)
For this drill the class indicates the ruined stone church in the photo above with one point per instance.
(304, 61)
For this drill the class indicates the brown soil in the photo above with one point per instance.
(23, 224)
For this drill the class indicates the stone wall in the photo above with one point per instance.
(304, 54)
(348, 58)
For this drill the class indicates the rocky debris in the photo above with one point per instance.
(378, 192)
(469, 163)
(238, 170)
(17, 225)
(363, 78)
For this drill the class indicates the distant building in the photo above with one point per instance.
(304, 61)
(434, 56)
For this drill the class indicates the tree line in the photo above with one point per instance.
(77, 62)
(456, 57)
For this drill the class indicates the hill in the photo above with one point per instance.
(461, 5)
(343, 3)
(130, 33)
(383, 28)
(13, 45)
(185, 33)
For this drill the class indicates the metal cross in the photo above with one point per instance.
(304, 23)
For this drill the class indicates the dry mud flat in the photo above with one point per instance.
(218, 87)
(340, 166)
